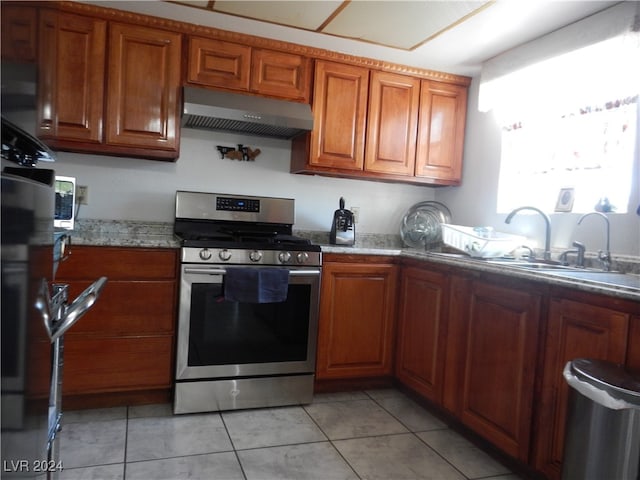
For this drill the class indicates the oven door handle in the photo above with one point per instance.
(222, 271)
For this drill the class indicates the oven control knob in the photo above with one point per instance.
(284, 257)
(255, 256)
(205, 254)
(224, 255)
(302, 257)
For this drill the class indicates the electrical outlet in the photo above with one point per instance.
(356, 214)
(82, 194)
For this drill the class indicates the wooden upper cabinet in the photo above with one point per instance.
(214, 63)
(19, 27)
(143, 87)
(125, 104)
(442, 116)
(281, 74)
(380, 125)
(339, 110)
(392, 123)
(71, 77)
(232, 66)
(576, 329)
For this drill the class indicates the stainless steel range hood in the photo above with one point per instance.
(231, 112)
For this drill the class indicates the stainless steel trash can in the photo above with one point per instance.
(602, 439)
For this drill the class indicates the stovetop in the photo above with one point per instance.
(226, 229)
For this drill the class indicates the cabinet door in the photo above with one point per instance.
(18, 30)
(143, 87)
(71, 77)
(499, 352)
(355, 335)
(575, 330)
(280, 74)
(392, 124)
(633, 345)
(214, 63)
(339, 112)
(443, 110)
(422, 331)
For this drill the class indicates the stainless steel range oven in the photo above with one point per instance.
(246, 348)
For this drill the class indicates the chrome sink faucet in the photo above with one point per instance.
(603, 256)
(579, 251)
(547, 220)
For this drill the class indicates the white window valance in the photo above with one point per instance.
(567, 69)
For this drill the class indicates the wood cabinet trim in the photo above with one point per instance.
(254, 41)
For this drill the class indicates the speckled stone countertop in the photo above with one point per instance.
(160, 235)
(122, 233)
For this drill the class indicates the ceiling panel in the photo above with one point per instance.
(399, 24)
(308, 15)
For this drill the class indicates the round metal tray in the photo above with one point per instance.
(420, 226)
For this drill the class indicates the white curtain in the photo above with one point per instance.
(567, 69)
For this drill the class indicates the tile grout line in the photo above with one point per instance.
(415, 434)
(355, 472)
(126, 442)
(233, 445)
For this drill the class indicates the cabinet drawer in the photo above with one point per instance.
(118, 263)
(112, 364)
(128, 308)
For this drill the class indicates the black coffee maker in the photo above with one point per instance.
(343, 227)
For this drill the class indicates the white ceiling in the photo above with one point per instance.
(450, 35)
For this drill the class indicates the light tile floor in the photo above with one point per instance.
(374, 434)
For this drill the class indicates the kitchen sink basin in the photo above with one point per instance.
(599, 277)
(532, 265)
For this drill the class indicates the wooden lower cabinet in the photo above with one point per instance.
(357, 316)
(491, 350)
(124, 345)
(422, 329)
(577, 328)
(633, 345)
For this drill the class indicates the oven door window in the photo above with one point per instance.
(224, 333)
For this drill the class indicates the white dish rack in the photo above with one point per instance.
(482, 242)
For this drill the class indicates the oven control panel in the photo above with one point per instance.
(235, 204)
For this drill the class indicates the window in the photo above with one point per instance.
(570, 122)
